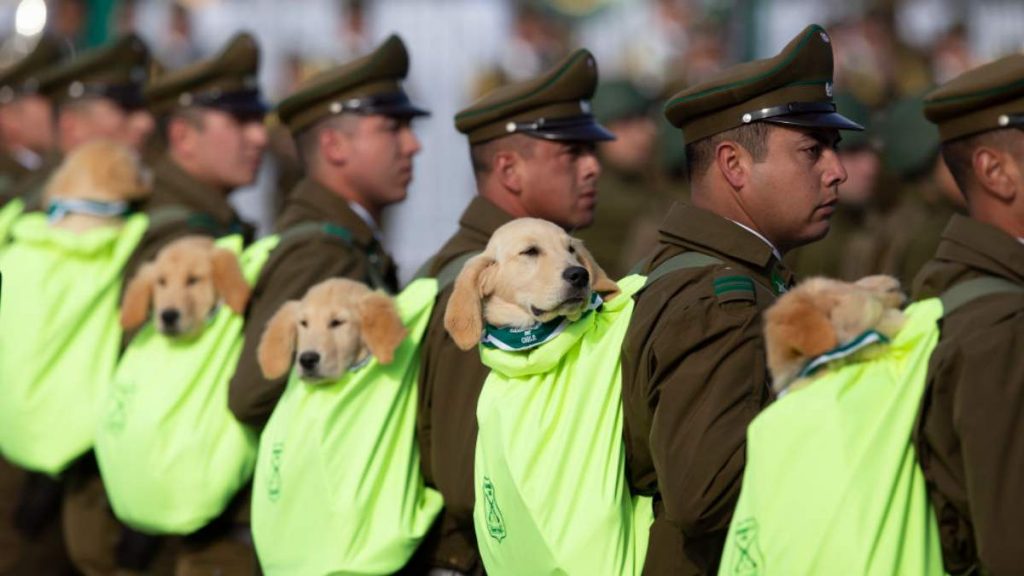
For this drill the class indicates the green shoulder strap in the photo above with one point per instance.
(969, 290)
(447, 275)
(680, 262)
(306, 229)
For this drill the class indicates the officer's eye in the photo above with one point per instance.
(303, 323)
(814, 151)
(532, 252)
(191, 280)
(335, 323)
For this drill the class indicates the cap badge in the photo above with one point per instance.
(336, 107)
(824, 37)
(1004, 120)
(510, 127)
(76, 89)
(585, 106)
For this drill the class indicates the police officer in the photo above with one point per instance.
(969, 430)
(211, 120)
(532, 149)
(97, 95)
(26, 117)
(352, 125)
(761, 153)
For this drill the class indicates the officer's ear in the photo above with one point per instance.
(138, 297)
(599, 280)
(228, 279)
(380, 327)
(277, 345)
(463, 318)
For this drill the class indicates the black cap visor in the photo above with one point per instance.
(394, 104)
(805, 115)
(576, 129)
(242, 104)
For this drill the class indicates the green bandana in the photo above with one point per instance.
(61, 208)
(517, 339)
(859, 343)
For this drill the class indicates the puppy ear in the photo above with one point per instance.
(229, 280)
(599, 281)
(463, 318)
(797, 328)
(138, 297)
(382, 329)
(277, 345)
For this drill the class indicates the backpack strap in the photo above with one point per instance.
(975, 288)
(683, 261)
(343, 236)
(447, 275)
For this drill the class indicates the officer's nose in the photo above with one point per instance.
(576, 276)
(170, 317)
(309, 360)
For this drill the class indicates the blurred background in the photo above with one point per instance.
(888, 52)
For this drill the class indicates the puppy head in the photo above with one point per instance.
(182, 285)
(821, 314)
(102, 171)
(531, 271)
(336, 324)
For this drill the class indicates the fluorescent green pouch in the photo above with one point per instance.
(832, 484)
(59, 336)
(338, 488)
(171, 454)
(552, 496)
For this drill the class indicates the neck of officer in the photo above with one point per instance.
(985, 208)
(490, 188)
(341, 187)
(721, 200)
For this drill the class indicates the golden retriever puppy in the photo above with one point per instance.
(95, 185)
(532, 271)
(183, 285)
(821, 314)
(338, 324)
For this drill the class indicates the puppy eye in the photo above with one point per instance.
(191, 280)
(303, 323)
(335, 323)
(532, 252)
(572, 249)
(161, 281)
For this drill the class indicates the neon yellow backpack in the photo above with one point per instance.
(832, 484)
(551, 490)
(59, 336)
(338, 488)
(171, 454)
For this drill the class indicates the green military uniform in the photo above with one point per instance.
(346, 246)
(44, 553)
(693, 361)
(116, 72)
(179, 204)
(20, 79)
(553, 106)
(972, 415)
(632, 201)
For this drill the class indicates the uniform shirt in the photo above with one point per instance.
(970, 431)
(694, 375)
(212, 215)
(291, 270)
(449, 386)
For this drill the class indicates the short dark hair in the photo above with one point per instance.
(959, 153)
(190, 115)
(700, 155)
(482, 154)
(308, 140)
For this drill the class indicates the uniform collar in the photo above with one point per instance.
(483, 217)
(775, 251)
(172, 185)
(364, 215)
(983, 247)
(310, 201)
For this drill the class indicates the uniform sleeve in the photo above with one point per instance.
(988, 416)
(706, 379)
(287, 276)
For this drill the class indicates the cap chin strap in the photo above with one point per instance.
(543, 125)
(788, 109)
(376, 104)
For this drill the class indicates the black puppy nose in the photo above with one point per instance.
(309, 360)
(577, 276)
(170, 317)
